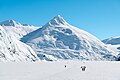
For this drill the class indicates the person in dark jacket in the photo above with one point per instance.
(65, 66)
(83, 68)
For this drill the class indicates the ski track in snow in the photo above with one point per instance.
(56, 70)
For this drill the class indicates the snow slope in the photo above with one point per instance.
(59, 40)
(17, 29)
(56, 71)
(12, 49)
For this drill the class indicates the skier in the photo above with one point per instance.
(83, 68)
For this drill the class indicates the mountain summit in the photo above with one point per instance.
(12, 23)
(9, 23)
(57, 20)
(17, 29)
(59, 40)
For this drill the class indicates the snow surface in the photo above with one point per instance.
(56, 70)
(59, 40)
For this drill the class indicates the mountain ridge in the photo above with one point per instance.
(12, 23)
(17, 29)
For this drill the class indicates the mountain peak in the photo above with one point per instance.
(12, 23)
(11, 20)
(9, 23)
(58, 17)
(57, 20)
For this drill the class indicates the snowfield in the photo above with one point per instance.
(99, 70)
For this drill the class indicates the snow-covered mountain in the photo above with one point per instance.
(114, 44)
(112, 40)
(9, 23)
(59, 40)
(13, 50)
(17, 29)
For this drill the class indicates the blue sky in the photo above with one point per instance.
(99, 17)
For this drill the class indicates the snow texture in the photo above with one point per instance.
(57, 71)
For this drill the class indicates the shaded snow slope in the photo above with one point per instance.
(12, 49)
(59, 40)
(112, 40)
(17, 29)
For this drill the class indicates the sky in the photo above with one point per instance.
(101, 18)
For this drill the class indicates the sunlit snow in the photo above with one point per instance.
(57, 71)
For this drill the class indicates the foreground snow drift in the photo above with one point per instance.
(57, 71)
